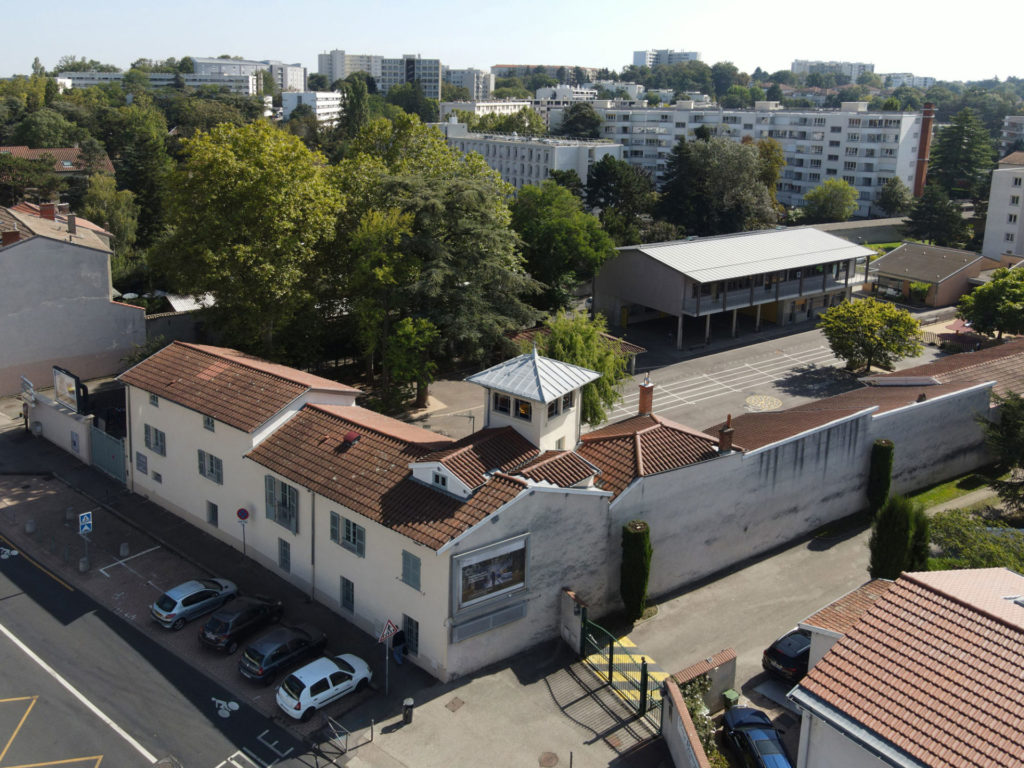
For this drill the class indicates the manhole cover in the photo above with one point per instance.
(762, 403)
(548, 760)
(454, 704)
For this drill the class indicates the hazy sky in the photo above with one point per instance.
(896, 35)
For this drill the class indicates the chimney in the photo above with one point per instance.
(646, 396)
(924, 146)
(10, 236)
(63, 207)
(72, 224)
(48, 211)
(725, 437)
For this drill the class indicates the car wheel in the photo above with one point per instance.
(178, 624)
(232, 647)
(361, 685)
(307, 714)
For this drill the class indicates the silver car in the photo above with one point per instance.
(191, 599)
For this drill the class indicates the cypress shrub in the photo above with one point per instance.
(879, 475)
(636, 567)
(920, 540)
(896, 541)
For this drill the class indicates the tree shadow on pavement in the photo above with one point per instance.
(818, 382)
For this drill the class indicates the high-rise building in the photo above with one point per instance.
(289, 77)
(852, 69)
(338, 65)
(650, 58)
(411, 68)
(1004, 225)
(327, 106)
(480, 84)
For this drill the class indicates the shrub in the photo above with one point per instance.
(636, 567)
(879, 474)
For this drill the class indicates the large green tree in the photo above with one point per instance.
(622, 193)
(937, 219)
(868, 333)
(966, 540)
(562, 245)
(997, 307)
(717, 187)
(1005, 438)
(247, 211)
(962, 157)
(895, 199)
(899, 539)
(113, 209)
(580, 120)
(581, 340)
(833, 200)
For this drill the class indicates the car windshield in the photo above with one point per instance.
(293, 687)
(217, 627)
(768, 747)
(166, 603)
(344, 666)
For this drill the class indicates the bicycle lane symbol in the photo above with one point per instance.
(224, 708)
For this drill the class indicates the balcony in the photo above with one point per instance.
(813, 285)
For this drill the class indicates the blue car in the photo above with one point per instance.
(751, 734)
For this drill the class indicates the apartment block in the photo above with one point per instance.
(247, 85)
(481, 108)
(525, 160)
(652, 58)
(852, 69)
(408, 69)
(899, 79)
(480, 84)
(863, 148)
(289, 77)
(326, 105)
(338, 65)
(1004, 226)
(1013, 131)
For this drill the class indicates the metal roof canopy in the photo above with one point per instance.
(534, 377)
(727, 257)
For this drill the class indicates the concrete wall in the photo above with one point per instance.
(55, 309)
(62, 426)
(678, 731)
(821, 641)
(822, 746)
(174, 326)
(633, 278)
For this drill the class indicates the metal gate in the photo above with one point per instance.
(108, 454)
(623, 668)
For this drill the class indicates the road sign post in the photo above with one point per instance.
(84, 527)
(390, 628)
(243, 518)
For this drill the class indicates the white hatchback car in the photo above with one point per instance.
(320, 682)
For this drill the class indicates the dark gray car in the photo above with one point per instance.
(280, 649)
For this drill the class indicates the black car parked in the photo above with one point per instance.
(787, 657)
(280, 649)
(239, 620)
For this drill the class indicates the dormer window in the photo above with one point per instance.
(567, 401)
(440, 479)
(502, 403)
(524, 410)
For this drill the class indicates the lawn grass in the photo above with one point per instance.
(957, 487)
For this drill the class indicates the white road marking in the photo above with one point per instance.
(81, 698)
(124, 560)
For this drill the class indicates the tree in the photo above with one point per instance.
(895, 198)
(869, 333)
(1005, 439)
(936, 218)
(879, 474)
(834, 200)
(724, 75)
(965, 540)
(899, 539)
(562, 245)
(568, 179)
(46, 128)
(635, 570)
(869, 79)
(962, 156)
(317, 82)
(409, 96)
(997, 307)
(623, 193)
(718, 187)
(20, 177)
(774, 93)
(580, 120)
(248, 209)
(113, 209)
(581, 340)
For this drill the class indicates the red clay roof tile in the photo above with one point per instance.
(472, 458)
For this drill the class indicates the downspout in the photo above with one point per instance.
(130, 469)
(312, 544)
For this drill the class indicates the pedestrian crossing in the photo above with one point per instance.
(625, 677)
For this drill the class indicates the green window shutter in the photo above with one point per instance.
(202, 463)
(270, 488)
(410, 569)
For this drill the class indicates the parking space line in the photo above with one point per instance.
(20, 723)
(122, 561)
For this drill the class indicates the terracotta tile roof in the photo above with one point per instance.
(473, 457)
(228, 385)
(643, 445)
(371, 476)
(683, 676)
(29, 223)
(756, 430)
(1014, 158)
(624, 346)
(933, 669)
(1003, 363)
(562, 468)
(840, 615)
(33, 210)
(65, 159)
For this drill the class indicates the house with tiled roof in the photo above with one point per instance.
(948, 273)
(57, 302)
(837, 618)
(928, 676)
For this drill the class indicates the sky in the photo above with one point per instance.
(895, 35)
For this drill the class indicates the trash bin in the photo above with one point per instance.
(407, 711)
(731, 698)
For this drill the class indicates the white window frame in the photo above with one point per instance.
(155, 439)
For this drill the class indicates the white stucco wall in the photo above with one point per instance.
(633, 278)
(558, 432)
(55, 309)
(58, 423)
(822, 746)
(821, 641)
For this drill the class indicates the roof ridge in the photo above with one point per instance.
(555, 454)
(638, 454)
(240, 360)
(973, 607)
(322, 408)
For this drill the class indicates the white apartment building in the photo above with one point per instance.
(564, 92)
(899, 79)
(289, 77)
(650, 58)
(338, 65)
(206, 66)
(481, 108)
(408, 69)
(863, 148)
(1004, 225)
(852, 69)
(326, 105)
(480, 84)
(635, 91)
(525, 160)
(1013, 131)
(247, 85)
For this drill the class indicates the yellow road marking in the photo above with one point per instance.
(97, 758)
(20, 723)
(38, 565)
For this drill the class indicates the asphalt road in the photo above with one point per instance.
(153, 706)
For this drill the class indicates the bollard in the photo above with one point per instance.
(83, 564)
(30, 527)
(407, 706)
(124, 549)
(69, 514)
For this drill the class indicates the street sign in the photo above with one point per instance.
(389, 629)
(84, 522)
(243, 515)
